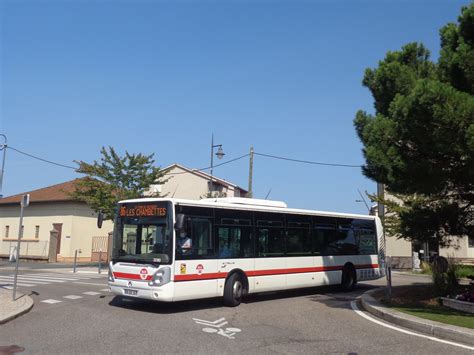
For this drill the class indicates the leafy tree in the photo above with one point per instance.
(115, 178)
(420, 142)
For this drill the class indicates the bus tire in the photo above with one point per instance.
(233, 290)
(349, 278)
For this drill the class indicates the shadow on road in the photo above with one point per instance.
(328, 295)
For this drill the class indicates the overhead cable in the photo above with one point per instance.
(307, 161)
(38, 158)
(214, 166)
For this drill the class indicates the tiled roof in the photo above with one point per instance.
(55, 193)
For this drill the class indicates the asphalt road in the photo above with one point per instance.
(318, 320)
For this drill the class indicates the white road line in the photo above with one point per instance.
(8, 278)
(39, 279)
(72, 297)
(362, 314)
(85, 272)
(49, 278)
(105, 290)
(7, 282)
(91, 293)
(88, 283)
(51, 301)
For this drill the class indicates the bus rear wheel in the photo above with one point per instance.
(348, 279)
(233, 290)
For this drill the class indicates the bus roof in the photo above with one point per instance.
(241, 203)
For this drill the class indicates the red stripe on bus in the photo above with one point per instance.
(208, 276)
(222, 275)
(367, 266)
(123, 275)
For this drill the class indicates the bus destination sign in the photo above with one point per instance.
(142, 211)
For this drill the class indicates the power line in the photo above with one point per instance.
(202, 169)
(307, 161)
(207, 168)
(41, 159)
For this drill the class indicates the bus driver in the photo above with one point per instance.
(183, 243)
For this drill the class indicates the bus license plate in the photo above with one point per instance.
(131, 292)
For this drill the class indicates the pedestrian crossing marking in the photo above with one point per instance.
(39, 279)
(90, 293)
(50, 301)
(72, 297)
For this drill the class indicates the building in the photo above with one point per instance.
(52, 208)
(401, 251)
(194, 184)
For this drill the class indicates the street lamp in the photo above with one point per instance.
(220, 154)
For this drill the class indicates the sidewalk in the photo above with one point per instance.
(420, 325)
(10, 309)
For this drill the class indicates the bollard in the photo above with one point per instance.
(75, 261)
(389, 282)
(100, 259)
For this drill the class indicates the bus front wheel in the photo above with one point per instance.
(233, 290)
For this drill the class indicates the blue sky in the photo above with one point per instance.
(162, 76)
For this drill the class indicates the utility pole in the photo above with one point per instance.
(4, 148)
(250, 193)
(25, 201)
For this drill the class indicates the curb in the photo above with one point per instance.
(425, 326)
(22, 310)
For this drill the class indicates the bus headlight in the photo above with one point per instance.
(161, 277)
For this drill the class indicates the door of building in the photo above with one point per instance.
(58, 227)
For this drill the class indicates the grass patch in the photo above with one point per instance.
(440, 314)
(423, 301)
(464, 270)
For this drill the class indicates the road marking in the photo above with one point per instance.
(72, 297)
(51, 301)
(85, 272)
(216, 327)
(362, 314)
(89, 283)
(27, 279)
(8, 279)
(105, 290)
(7, 282)
(90, 293)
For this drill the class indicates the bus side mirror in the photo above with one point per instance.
(100, 219)
(180, 221)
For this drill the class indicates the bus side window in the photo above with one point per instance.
(199, 231)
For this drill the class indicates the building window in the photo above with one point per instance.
(37, 232)
(7, 231)
(471, 241)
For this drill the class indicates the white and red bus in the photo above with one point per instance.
(236, 246)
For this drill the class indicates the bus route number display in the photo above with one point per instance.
(142, 211)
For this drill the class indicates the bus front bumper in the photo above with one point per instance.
(136, 289)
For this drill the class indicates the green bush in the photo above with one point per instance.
(425, 268)
(445, 282)
(464, 271)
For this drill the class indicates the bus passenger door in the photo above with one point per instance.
(195, 273)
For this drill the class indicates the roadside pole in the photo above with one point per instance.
(25, 201)
(75, 262)
(100, 260)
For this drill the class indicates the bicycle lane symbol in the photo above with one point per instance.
(216, 327)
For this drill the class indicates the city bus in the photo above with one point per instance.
(168, 250)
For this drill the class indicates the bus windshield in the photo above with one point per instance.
(143, 239)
